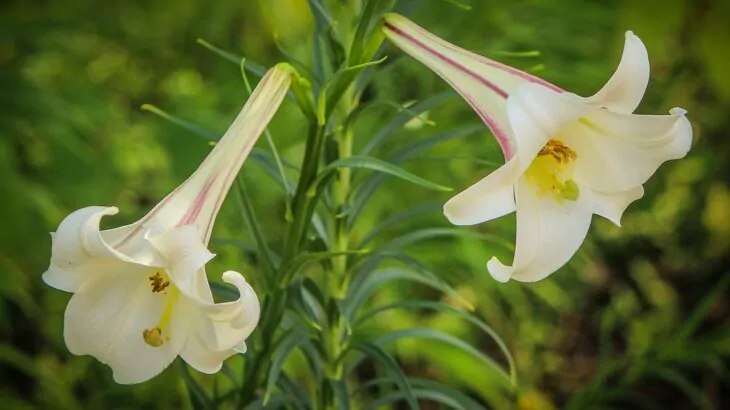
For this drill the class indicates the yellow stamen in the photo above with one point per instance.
(551, 170)
(157, 336)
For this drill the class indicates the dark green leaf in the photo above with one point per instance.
(391, 367)
(198, 397)
(431, 334)
(443, 307)
(284, 347)
(433, 391)
(249, 216)
(400, 119)
(254, 68)
(361, 292)
(384, 167)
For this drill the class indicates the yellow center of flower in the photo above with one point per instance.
(157, 336)
(551, 171)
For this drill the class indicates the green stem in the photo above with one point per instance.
(334, 339)
(303, 207)
(274, 306)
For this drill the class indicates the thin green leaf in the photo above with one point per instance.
(195, 129)
(361, 292)
(369, 186)
(287, 385)
(443, 307)
(431, 233)
(384, 167)
(430, 334)
(458, 4)
(339, 387)
(363, 27)
(414, 149)
(198, 397)
(699, 314)
(406, 7)
(249, 216)
(320, 12)
(246, 247)
(391, 367)
(309, 257)
(313, 358)
(254, 68)
(284, 347)
(685, 385)
(276, 401)
(433, 391)
(399, 217)
(519, 54)
(265, 161)
(257, 155)
(400, 119)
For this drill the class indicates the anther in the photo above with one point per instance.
(157, 283)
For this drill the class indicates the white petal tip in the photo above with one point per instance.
(499, 271)
(234, 278)
(459, 213)
(678, 111)
(450, 212)
(242, 348)
(630, 34)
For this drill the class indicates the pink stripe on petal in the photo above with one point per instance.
(194, 211)
(485, 60)
(502, 137)
(447, 60)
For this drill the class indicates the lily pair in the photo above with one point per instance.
(140, 292)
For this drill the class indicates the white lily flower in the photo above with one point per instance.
(140, 293)
(567, 157)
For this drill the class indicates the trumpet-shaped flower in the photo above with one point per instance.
(567, 157)
(140, 293)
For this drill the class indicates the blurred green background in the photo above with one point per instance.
(639, 317)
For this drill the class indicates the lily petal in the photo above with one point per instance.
(106, 319)
(203, 359)
(184, 255)
(219, 326)
(488, 199)
(624, 91)
(538, 114)
(79, 249)
(618, 152)
(484, 83)
(198, 200)
(548, 234)
(226, 326)
(612, 206)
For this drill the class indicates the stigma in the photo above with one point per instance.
(157, 336)
(153, 337)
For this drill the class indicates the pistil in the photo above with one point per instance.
(157, 336)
